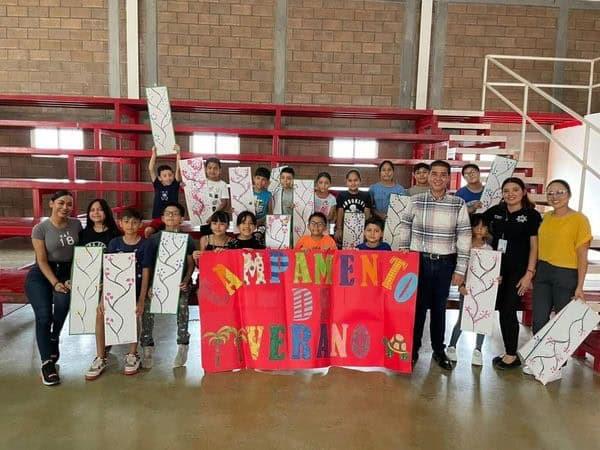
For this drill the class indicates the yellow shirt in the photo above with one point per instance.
(559, 238)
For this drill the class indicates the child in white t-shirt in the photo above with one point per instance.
(325, 202)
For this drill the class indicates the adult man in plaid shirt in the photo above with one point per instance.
(437, 225)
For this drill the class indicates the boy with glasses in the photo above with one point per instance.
(471, 193)
(172, 216)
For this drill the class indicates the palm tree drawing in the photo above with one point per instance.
(221, 337)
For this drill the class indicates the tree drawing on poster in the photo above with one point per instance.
(161, 121)
(550, 348)
(242, 194)
(502, 168)
(391, 232)
(278, 231)
(274, 183)
(120, 324)
(85, 289)
(354, 226)
(482, 286)
(168, 272)
(304, 206)
(195, 187)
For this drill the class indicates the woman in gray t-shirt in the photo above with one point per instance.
(47, 283)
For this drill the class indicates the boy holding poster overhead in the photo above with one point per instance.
(166, 184)
(172, 217)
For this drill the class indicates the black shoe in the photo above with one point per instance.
(442, 360)
(415, 358)
(496, 360)
(49, 374)
(501, 365)
(55, 352)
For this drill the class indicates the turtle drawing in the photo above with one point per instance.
(395, 344)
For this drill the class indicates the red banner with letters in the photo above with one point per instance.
(286, 309)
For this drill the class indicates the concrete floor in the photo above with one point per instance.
(166, 408)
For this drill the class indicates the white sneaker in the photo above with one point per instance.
(477, 358)
(527, 370)
(451, 353)
(148, 360)
(96, 369)
(132, 364)
(182, 354)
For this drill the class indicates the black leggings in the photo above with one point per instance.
(508, 302)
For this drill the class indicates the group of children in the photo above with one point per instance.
(168, 214)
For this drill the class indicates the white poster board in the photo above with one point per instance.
(391, 232)
(120, 323)
(168, 272)
(242, 193)
(550, 348)
(354, 228)
(304, 206)
(195, 187)
(482, 287)
(502, 168)
(278, 231)
(86, 276)
(161, 122)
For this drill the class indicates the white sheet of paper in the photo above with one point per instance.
(482, 286)
(120, 322)
(159, 110)
(85, 289)
(278, 231)
(546, 353)
(168, 272)
(502, 168)
(391, 232)
(195, 187)
(242, 193)
(304, 206)
(354, 229)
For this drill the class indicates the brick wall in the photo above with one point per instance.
(54, 46)
(221, 51)
(583, 42)
(475, 30)
(344, 52)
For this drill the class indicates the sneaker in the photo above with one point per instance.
(451, 353)
(55, 355)
(49, 374)
(132, 363)
(148, 360)
(96, 369)
(527, 370)
(477, 358)
(182, 354)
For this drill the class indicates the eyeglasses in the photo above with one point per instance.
(556, 193)
(316, 224)
(171, 214)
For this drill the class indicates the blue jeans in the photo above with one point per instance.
(435, 276)
(49, 307)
